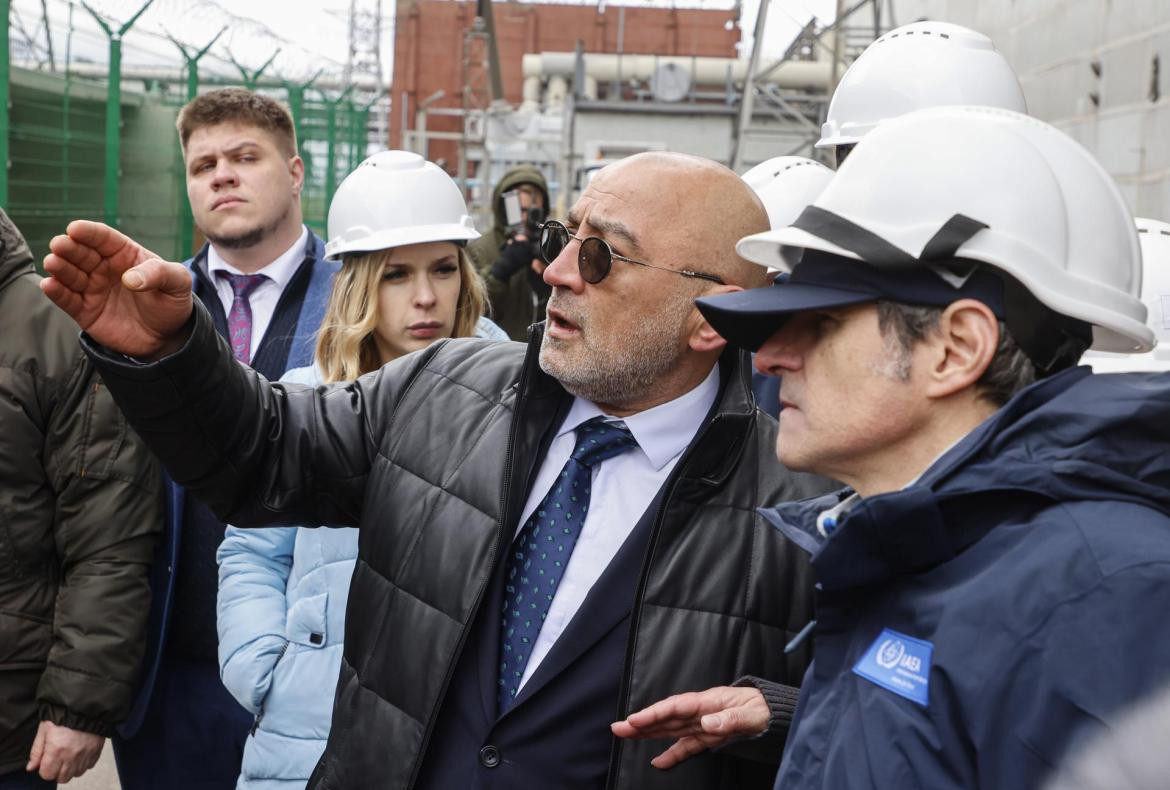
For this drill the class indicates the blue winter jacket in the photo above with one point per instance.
(976, 624)
(281, 621)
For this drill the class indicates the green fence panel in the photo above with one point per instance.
(56, 154)
(57, 147)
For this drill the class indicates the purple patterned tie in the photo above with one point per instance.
(240, 316)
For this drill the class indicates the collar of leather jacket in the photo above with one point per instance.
(719, 443)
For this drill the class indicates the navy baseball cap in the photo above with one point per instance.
(823, 280)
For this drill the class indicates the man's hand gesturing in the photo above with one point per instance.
(119, 292)
(698, 720)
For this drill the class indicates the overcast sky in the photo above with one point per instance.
(311, 35)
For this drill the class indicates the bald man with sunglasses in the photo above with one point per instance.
(552, 535)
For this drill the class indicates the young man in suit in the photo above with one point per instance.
(263, 280)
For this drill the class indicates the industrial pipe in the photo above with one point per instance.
(799, 74)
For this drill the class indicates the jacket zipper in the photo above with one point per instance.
(635, 618)
(260, 713)
(636, 612)
(513, 434)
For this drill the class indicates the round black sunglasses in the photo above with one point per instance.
(596, 256)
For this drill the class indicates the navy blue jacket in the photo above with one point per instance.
(162, 582)
(974, 625)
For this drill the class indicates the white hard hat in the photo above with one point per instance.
(1007, 190)
(1155, 240)
(913, 67)
(785, 185)
(395, 198)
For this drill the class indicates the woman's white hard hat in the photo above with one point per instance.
(914, 67)
(392, 199)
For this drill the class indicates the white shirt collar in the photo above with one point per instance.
(280, 271)
(663, 431)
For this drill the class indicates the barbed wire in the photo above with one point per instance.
(245, 41)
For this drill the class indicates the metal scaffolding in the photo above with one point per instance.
(804, 112)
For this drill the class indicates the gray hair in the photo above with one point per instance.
(903, 326)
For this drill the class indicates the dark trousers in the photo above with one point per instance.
(23, 780)
(192, 737)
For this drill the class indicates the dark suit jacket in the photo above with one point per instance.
(556, 733)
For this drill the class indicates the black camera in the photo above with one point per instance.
(536, 218)
(518, 223)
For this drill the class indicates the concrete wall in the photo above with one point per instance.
(700, 133)
(708, 134)
(1098, 69)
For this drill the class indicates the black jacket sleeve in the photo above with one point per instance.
(257, 453)
(767, 746)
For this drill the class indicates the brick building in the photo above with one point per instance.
(428, 47)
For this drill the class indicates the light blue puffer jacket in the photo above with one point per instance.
(281, 619)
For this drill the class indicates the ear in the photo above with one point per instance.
(962, 348)
(296, 167)
(703, 337)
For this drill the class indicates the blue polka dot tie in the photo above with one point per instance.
(543, 547)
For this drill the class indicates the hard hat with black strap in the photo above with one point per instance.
(1024, 220)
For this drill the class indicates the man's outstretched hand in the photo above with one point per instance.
(698, 720)
(123, 295)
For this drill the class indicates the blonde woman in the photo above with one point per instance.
(399, 225)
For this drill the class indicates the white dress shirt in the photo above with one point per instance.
(623, 487)
(263, 300)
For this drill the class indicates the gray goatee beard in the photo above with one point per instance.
(617, 370)
(249, 238)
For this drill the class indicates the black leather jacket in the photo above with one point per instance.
(429, 456)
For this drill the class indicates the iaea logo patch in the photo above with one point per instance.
(900, 664)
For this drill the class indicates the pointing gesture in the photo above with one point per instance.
(119, 292)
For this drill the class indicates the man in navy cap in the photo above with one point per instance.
(992, 584)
